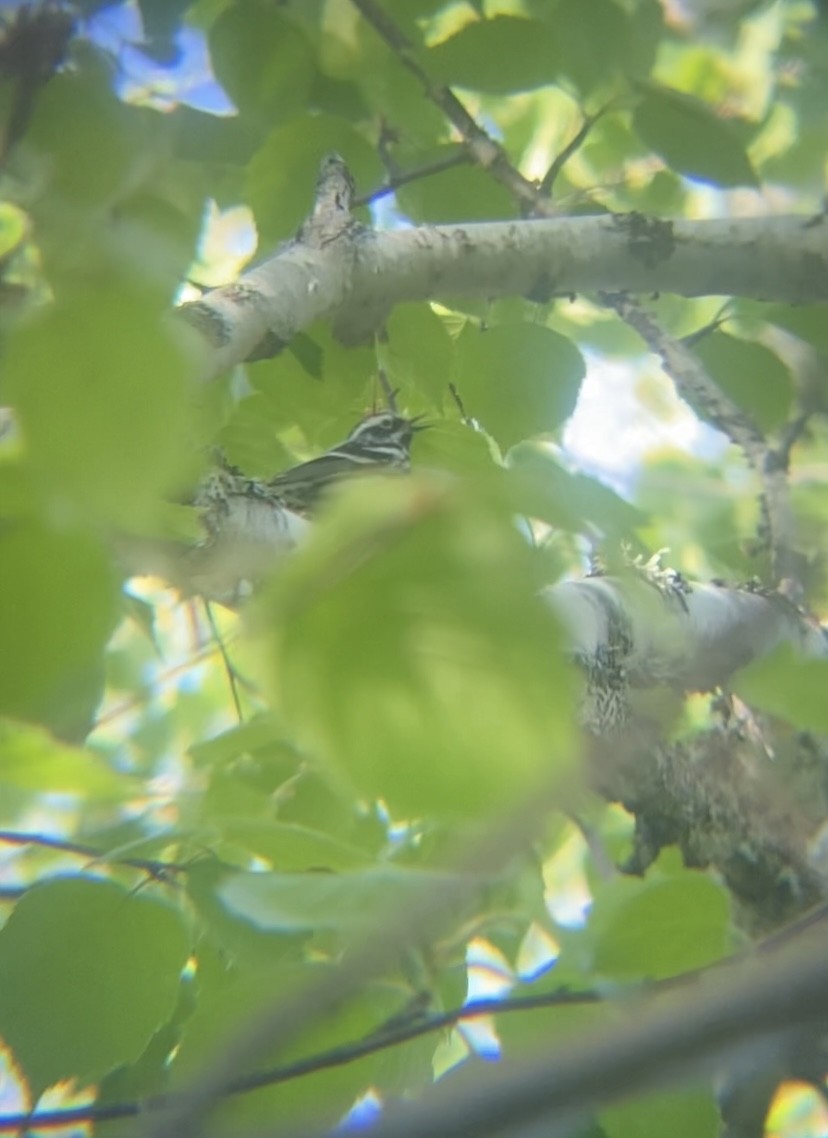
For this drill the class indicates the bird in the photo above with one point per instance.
(378, 443)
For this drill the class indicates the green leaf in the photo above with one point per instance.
(806, 321)
(246, 942)
(542, 488)
(518, 380)
(282, 174)
(499, 56)
(659, 928)
(86, 141)
(420, 352)
(751, 374)
(292, 848)
(459, 194)
(227, 1004)
(14, 227)
(262, 60)
(99, 384)
(690, 137)
(31, 759)
(594, 40)
(786, 685)
(408, 649)
(340, 902)
(88, 973)
(681, 1114)
(51, 582)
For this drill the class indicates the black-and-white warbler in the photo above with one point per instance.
(379, 442)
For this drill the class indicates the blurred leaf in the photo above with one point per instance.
(13, 228)
(681, 1114)
(262, 60)
(58, 606)
(518, 380)
(85, 138)
(246, 942)
(408, 648)
(248, 439)
(543, 489)
(658, 928)
(806, 321)
(499, 56)
(751, 374)
(784, 684)
(99, 384)
(594, 40)
(226, 1005)
(690, 137)
(282, 173)
(88, 973)
(31, 759)
(292, 848)
(309, 902)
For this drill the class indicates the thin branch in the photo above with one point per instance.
(694, 384)
(657, 1042)
(484, 150)
(280, 1021)
(460, 158)
(548, 181)
(162, 871)
(412, 1029)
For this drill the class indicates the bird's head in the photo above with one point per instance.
(386, 429)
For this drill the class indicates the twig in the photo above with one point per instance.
(548, 180)
(693, 383)
(163, 871)
(280, 1021)
(388, 391)
(233, 676)
(483, 149)
(414, 1029)
(460, 158)
(322, 1061)
(658, 1042)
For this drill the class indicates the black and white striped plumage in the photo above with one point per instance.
(380, 442)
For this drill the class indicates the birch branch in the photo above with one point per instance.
(357, 277)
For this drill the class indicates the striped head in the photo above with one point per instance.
(381, 441)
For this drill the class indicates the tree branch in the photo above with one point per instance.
(357, 279)
(657, 1042)
(693, 384)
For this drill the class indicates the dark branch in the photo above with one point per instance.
(163, 871)
(459, 158)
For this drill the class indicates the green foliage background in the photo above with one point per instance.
(425, 674)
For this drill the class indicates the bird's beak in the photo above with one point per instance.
(417, 424)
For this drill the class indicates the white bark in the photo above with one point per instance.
(691, 640)
(357, 278)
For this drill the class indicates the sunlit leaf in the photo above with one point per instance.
(58, 604)
(100, 387)
(407, 646)
(32, 760)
